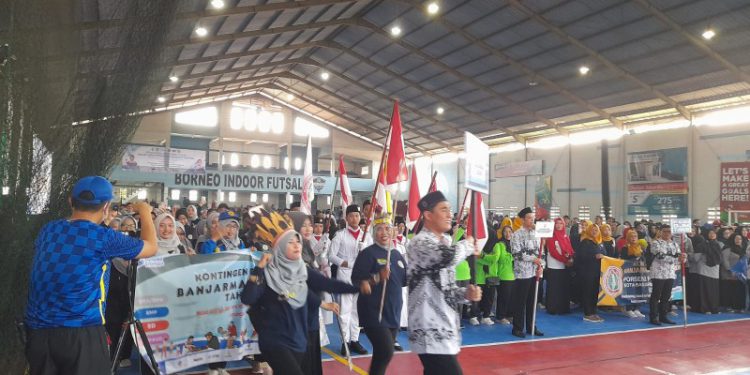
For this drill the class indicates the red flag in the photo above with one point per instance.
(477, 223)
(346, 193)
(395, 170)
(412, 215)
(308, 191)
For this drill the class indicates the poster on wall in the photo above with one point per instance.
(519, 168)
(144, 158)
(191, 310)
(657, 182)
(187, 161)
(543, 197)
(735, 190)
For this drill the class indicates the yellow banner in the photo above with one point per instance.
(610, 281)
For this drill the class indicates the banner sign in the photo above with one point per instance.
(626, 282)
(544, 229)
(180, 299)
(543, 198)
(477, 168)
(657, 182)
(158, 159)
(681, 225)
(735, 186)
(519, 168)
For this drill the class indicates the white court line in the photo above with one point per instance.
(659, 371)
(743, 370)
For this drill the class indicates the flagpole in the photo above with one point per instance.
(383, 160)
(536, 290)
(472, 258)
(684, 285)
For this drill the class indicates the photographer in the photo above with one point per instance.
(69, 281)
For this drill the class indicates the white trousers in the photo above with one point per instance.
(348, 305)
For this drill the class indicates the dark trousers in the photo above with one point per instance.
(440, 364)
(661, 292)
(283, 360)
(117, 312)
(504, 295)
(382, 348)
(708, 292)
(311, 363)
(589, 291)
(70, 351)
(523, 304)
(488, 299)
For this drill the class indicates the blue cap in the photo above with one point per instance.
(228, 215)
(98, 186)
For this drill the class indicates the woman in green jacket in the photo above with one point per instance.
(487, 276)
(506, 277)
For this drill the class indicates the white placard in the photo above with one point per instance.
(544, 229)
(477, 170)
(681, 225)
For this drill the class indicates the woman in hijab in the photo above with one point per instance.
(632, 249)
(180, 229)
(706, 260)
(732, 282)
(487, 276)
(114, 224)
(281, 293)
(560, 257)
(503, 311)
(608, 242)
(224, 229)
(588, 259)
(166, 236)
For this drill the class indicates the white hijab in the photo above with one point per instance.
(167, 245)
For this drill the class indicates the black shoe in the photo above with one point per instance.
(397, 347)
(356, 347)
(654, 322)
(343, 350)
(519, 334)
(537, 332)
(666, 321)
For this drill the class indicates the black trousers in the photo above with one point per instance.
(382, 348)
(589, 290)
(283, 360)
(440, 364)
(708, 293)
(504, 295)
(661, 292)
(523, 304)
(69, 351)
(558, 291)
(488, 299)
(116, 313)
(311, 362)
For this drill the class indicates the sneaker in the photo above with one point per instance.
(639, 313)
(356, 347)
(540, 306)
(474, 321)
(504, 321)
(125, 363)
(631, 314)
(599, 319)
(672, 313)
(593, 319)
(487, 321)
(397, 347)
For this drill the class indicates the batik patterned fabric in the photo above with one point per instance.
(434, 297)
(525, 249)
(666, 260)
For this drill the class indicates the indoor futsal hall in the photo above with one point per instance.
(611, 135)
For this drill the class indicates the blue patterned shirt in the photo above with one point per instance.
(70, 273)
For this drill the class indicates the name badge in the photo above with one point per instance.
(381, 261)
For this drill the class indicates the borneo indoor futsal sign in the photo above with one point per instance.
(239, 181)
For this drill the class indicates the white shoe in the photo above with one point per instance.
(631, 314)
(474, 321)
(125, 363)
(223, 372)
(672, 313)
(487, 321)
(540, 306)
(213, 372)
(639, 313)
(504, 321)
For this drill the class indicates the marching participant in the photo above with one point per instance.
(320, 244)
(374, 260)
(434, 322)
(667, 258)
(527, 265)
(344, 250)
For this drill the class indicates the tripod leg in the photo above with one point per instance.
(147, 346)
(118, 348)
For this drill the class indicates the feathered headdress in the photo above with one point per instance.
(269, 225)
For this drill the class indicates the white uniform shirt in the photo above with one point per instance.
(345, 248)
(320, 249)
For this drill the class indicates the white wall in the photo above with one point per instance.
(578, 168)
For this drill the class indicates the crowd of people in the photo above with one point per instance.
(317, 267)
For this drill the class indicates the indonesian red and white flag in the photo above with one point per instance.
(477, 223)
(395, 168)
(412, 214)
(346, 193)
(308, 190)
(381, 204)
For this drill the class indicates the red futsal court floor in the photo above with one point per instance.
(717, 348)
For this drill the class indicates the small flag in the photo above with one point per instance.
(395, 168)
(477, 223)
(308, 190)
(412, 215)
(346, 193)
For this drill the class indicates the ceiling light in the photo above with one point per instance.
(395, 31)
(173, 78)
(533, 83)
(583, 70)
(325, 76)
(440, 110)
(161, 99)
(433, 8)
(289, 97)
(217, 4)
(708, 34)
(201, 31)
